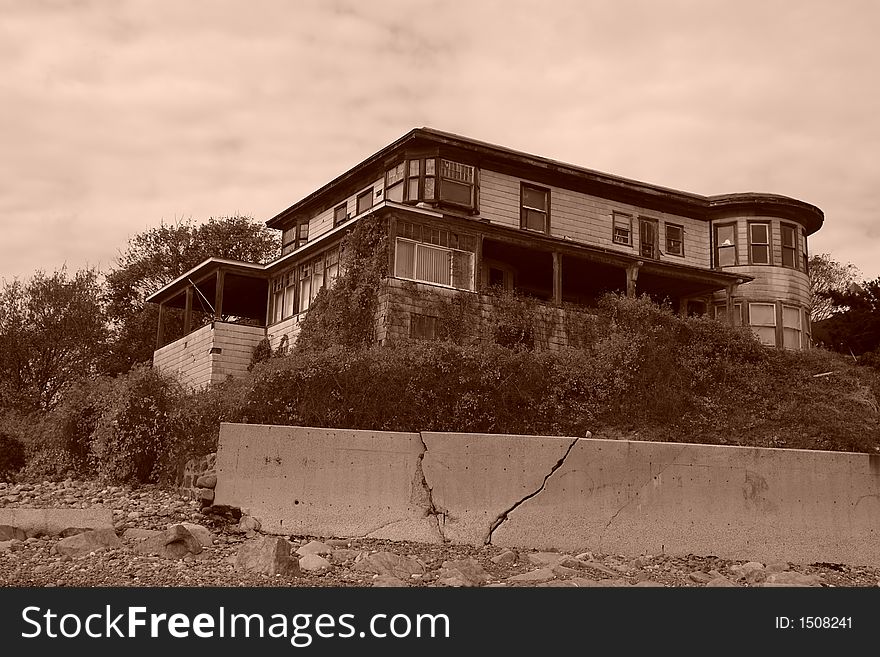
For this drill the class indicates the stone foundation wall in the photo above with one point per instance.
(199, 478)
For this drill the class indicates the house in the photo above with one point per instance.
(464, 216)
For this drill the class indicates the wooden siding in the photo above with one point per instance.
(588, 219)
(191, 360)
(289, 327)
(323, 221)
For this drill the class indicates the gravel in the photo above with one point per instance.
(35, 562)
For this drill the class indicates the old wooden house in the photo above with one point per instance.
(465, 216)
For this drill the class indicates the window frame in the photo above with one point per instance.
(615, 216)
(336, 220)
(793, 249)
(768, 244)
(367, 193)
(737, 313)
(799, 329)
(717, 247)
(655, 245)
(523, 208)
(414, 265)
(753, 325)
(668, 240)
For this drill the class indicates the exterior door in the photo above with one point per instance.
(648, 237)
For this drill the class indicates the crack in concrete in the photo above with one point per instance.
(636, 496)
(499, 520)
(439, 515)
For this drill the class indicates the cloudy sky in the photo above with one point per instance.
(117, 115)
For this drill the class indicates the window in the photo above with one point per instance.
(648, 237)
(434, 180)
(294, 236)
(804, 254)
(789, 246)
(759, 244)
(277, 298)
(340, 215)
(289, 293)
(622, 230)
(674, 239)
(314, 275)
(725, 245)
(394, 182)
(365, 201)
(762, 318)
(422, 327)
(791, 327)
(534, 208)
(434, 264)
(721, 313)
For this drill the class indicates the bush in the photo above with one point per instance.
(12, 456)
(132, 434)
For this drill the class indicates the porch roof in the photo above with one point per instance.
(202, 271)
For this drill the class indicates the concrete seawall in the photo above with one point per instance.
(555, 492)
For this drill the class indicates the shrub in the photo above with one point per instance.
(12, 456)
(133, 430)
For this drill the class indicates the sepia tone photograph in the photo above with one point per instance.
(435, 294)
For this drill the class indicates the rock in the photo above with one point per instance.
(52, 522)
(599, 568)
(388, 581)
(207, 481)
(7, 533)
(751, 571)
(646, 583)
(5, 546)
(720, 581)
(249, 524)
(86, 542)
(176, 542)
(203, 534)
(388, 563)
(206, 495)
(313, 563)
(314, 547)
(544, 558)
(792, 579)
(540, 575)
(269, 555)
(777, 567)
(700, 577)
(462, 572)
(506, 558)
(564, 571)
(344, 554)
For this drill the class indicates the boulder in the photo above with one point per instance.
(388, 563)
(89, 541)
(269, 555)
(540, 575)
(506, 558)
(7, 533)
(174, 543)
(463, 572)
(314, 563)
(202, 534)
(314, 547)
(207, 481)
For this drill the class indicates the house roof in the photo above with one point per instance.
(597, 182)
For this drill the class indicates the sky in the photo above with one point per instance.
(119, 115)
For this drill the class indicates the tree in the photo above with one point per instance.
(828, 276)
(52, 332)
(158, 256)
(856, 328)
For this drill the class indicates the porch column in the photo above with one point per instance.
(683, 307)
(160, 331)
(218, 295)
(731, 290)
(557, 278)
(187, 313)
(632, 275)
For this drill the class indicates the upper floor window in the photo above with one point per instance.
(340, 214)
(534, 208)
(295, 236)
(432, 180)
(674, 239)
(789, 246)
(648, 237)
(804, 254)
(759, 244)
(725, 245)
(622, 229)
(365, 201)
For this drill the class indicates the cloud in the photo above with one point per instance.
(120, 116)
